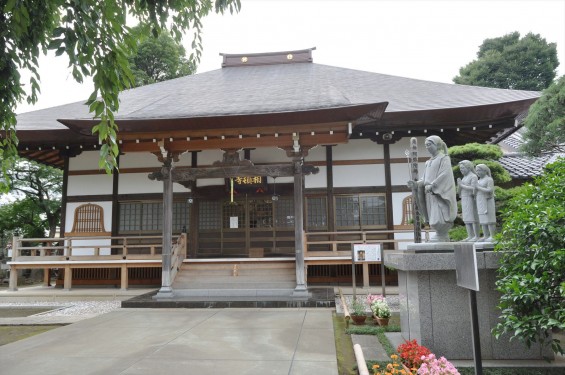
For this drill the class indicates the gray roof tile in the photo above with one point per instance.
(523, 167)
(279, 88)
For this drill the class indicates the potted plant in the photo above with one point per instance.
(357, 313)
(381, 310)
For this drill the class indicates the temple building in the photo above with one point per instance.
(270, 160)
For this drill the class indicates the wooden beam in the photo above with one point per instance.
(335, 127)
(211, 143)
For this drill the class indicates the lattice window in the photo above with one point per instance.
(88, 221)
(180, 216)
(234, 210)
(261, 213)
(373, 210)
(407, 211)
(284, 213)
(360, 211)
(210, 215)
(148, 217)
(130, 217)
(152, 217)
(347, 211)
(317, 212)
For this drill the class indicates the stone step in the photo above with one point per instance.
(231, 278)
(266, 294)
(237, 272)
(240, 266)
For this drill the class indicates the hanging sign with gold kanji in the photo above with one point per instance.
(249, 184)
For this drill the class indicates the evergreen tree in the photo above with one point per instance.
(511, 62)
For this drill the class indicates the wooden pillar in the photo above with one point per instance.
(124, 277)
(193, 222)
(115, 207)
(46, 278)
(64, 197)
(388, 187)
(68, 281)
(301, 287)
(166, 290)
(330, 189)
(13, 283)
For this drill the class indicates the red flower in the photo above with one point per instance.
(411, 353)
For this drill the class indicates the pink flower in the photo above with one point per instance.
(433, 366)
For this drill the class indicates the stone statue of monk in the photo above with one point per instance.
(436, 191)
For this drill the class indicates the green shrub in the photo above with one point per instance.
(531, 277)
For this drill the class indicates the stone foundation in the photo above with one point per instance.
(436, 312)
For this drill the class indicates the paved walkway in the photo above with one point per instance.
(181, 341)
(164, 341)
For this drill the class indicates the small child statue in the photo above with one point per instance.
(484, 195)
(466, 190)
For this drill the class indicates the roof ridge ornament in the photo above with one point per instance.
(267, 58)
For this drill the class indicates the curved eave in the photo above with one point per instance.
(483, 123)
(449, 117)
(276, 119)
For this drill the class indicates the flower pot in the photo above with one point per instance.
(358, 319)
(381, 321)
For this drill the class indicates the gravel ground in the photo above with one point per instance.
(74, 308)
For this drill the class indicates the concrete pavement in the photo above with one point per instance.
(181, 341)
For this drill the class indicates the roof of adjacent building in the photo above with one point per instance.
(524, 167)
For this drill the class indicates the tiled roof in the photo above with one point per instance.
(523, 167)
(280, 88)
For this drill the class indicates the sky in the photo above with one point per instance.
(422, 39)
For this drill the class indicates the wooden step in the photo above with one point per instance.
(233, 276)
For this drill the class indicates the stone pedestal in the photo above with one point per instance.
(435, 311)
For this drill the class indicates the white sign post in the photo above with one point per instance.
(467, 274)
(364, 253)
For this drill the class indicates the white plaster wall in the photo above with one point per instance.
(69, 219)
(359, 175)
(400, 172)
(317, 153)
(207, 157)
(358, 149)
(316, 180)
(283, 180)
(139, 183)
(397, 149)
(90, 184)
(87, 160)
(268, 155)
(210, 182)
(185, 160)
(139, 160)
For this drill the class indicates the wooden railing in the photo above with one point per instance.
(341, 243)
(335, 240)
(67, 248)
(70, 253)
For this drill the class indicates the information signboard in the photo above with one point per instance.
(367, 252)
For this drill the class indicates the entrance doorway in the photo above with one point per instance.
(250, 226)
